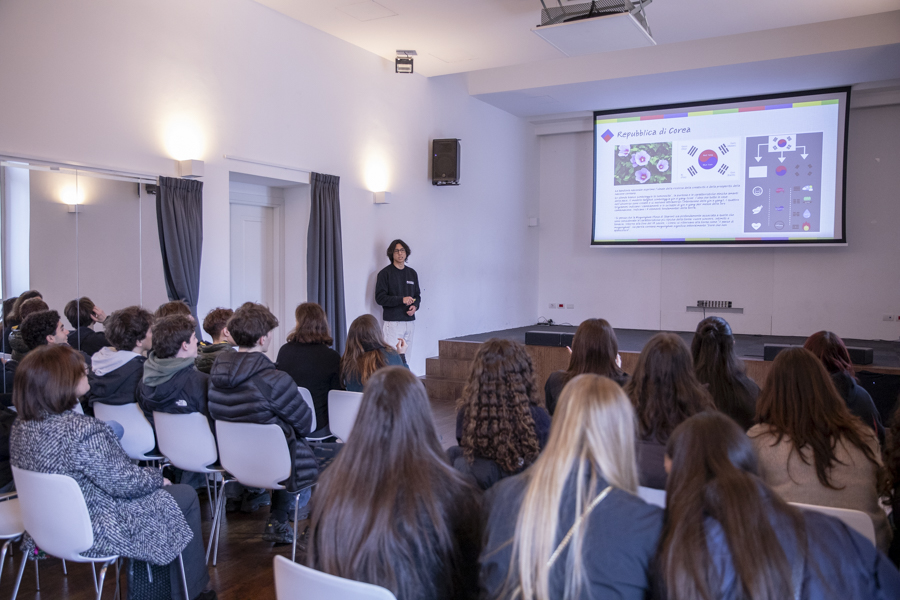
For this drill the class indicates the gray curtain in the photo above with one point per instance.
(179, 215)
(324, 258)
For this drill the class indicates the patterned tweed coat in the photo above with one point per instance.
(130, 513)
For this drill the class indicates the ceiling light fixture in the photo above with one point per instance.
(404, 62)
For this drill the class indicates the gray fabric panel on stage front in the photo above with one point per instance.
(179, 216)
(324, 257)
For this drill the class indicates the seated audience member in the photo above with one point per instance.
(811, 449)
(117, 369)
(729, 535)
(308, 358)
(17, 345)
(572, 526)
(830, 349)
(7, 418)
(500, 425)
(665, 392)
(134, 512)
(175, 307)
(389, 510)
(718, 367)
(12, 318)
(595, 349)
(83, 314)
(215, 325)
(246, 387)
(366, 352)
(170, 383)
(8, 304)
(43, 328)
(892, 465)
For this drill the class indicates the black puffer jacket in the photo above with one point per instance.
(245, 387)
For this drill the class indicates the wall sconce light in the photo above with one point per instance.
(74, 198)
(382, 197)
(190, 168)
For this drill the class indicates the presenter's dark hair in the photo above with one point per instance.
(79, 312)
(594, 350)
(390, 510)
(664, 389)
(830, 349)
(714, 473)
(169, 333)
(311, 327)
(37, 326)
(249, 323)
(390, 250)
(46, 380)
(718, 367)
(365, 350)
(128, 326)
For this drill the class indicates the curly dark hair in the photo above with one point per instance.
(496, 405)
(37, 326)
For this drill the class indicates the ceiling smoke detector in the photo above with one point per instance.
(404, 62)
(596, 26)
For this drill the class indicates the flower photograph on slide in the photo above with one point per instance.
(643, 163)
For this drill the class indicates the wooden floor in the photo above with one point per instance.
(244, 569)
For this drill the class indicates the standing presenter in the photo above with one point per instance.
(397, 290)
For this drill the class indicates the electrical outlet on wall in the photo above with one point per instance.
(570, 306)
(890, 317)
(552, 305)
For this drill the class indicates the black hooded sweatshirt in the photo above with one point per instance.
(246, 387)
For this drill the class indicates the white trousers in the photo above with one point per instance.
(394, 330)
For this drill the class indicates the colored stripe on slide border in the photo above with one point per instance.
(724, 111)
(736, 239)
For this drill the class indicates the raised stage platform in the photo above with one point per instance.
(446, 374)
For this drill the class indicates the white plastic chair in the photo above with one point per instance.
(342, 409)
(854, 519)
(187, 441)
(653, 496)
(256, 456)
(138, 439)
(307, 397)
(55, 515)
(11, 526)
(293, 582)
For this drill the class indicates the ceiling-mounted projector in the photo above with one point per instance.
(597, 26)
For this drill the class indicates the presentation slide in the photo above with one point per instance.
(751, 171)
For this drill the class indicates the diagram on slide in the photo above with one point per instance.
(708, 160)
(638, 164)
(783, 183)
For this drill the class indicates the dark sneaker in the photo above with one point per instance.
(253, 502)
(278, 532)
(233, 504)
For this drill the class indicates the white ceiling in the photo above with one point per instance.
(454, 36)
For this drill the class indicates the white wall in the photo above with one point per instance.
(101, 82)
(791, 291)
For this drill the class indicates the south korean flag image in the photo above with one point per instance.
(782, 143)
(707, 160)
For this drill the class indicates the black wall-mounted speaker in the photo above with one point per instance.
(445, 162)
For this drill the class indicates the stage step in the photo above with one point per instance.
(446, 374)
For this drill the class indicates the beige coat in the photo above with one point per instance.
(795, 481)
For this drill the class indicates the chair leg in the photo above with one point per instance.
(37, 575)
(94, 573)
(219, 524)
(183, 577)
(102, 577)
(3, 555)
(118, 578)
(296, 512)
(19, 577)
(65, 571)
(209, 494)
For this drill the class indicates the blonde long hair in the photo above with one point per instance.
(592, 436)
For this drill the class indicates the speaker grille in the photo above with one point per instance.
(445, 162)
